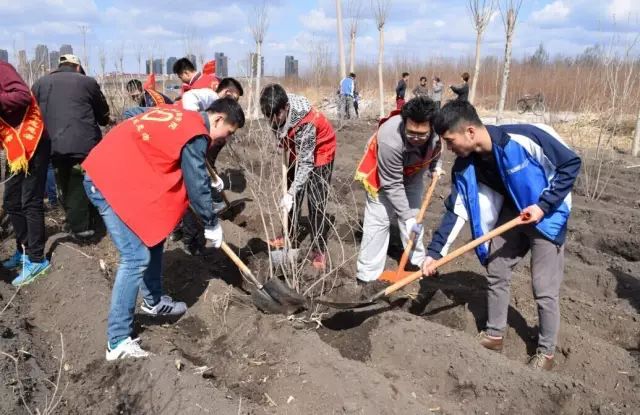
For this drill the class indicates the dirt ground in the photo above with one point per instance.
(417, 356)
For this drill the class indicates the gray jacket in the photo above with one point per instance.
(437, 91)
(395, 153)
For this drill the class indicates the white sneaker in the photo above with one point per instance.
(127, 348)
(165, 307)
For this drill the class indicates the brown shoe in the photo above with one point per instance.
(490, 343)
(540, 361)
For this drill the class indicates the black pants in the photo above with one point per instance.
(317, 192)
(80, 214)
(192, 230)
(23, 202)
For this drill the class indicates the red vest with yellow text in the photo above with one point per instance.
(136, 167)
(21, 142)
(367, 171)
(325, 138)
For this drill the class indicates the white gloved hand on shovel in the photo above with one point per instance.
(214, 234)
(217, 184)
(286, 204)
(411, 225)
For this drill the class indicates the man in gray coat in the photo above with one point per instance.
(73, 108)
(406, 147)
(436, 94)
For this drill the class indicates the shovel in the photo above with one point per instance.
(232, 208)
(418, 274)
(286, 255)
(272, 297)
(394, 276)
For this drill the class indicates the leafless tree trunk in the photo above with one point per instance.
(343, 65)
(355, 12)
(481, 11)
(139, 49)
(509, 11)
(85, 55)
(258, 23)
(636, 139)
(380, 11)
(102, 57)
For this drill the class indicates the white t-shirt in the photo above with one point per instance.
(198, 99)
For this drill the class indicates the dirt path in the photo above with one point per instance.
(418, 357)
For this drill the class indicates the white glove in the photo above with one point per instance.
(411, 225)
(286, 203)
(214, 234)
(217, 184)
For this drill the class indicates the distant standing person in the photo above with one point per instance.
(421, 90)
(27, 149)
(401, 89)
(73, 108)
(462, 90)
(347, 95)
(192, 79)
(436, 94)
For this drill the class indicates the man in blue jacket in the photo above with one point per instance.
(502, 171)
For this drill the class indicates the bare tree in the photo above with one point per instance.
(139, 50)
(380, 11)
(509, 12)
(355, 13)
(481, 11)
(102, 58)
(343, 65)
(636, 139)
(258, 23)
(85, 54)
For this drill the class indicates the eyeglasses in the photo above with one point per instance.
(416, 136)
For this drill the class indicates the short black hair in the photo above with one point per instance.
(182, 65)
(228, 83)
(419, 110)
(465, 76)
(230, 108)
(454, 116)
(273, 99)
(405, 74)
(134, 85)
(352, 74)
(437, 78)
(423, 78)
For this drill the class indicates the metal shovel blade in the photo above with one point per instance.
(281, 292)
(265, 303)
(346, 305)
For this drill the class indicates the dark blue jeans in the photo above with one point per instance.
(140, 268)
(51, 188)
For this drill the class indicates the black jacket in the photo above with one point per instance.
(462, 91)
(73, 107)
(401, 88)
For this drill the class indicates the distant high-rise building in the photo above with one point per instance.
(66, 50)
(22, 58)
(253, 58)
(290, 67)
(222, 65)
(148, 66)
(54, 58)
(4, 55)
(41, 61)
(170, 62)
(158, 66)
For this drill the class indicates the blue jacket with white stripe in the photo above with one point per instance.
(536, 167)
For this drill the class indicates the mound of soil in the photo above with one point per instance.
(415, 356)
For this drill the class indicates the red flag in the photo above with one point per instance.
(150, 83)
(209, 68)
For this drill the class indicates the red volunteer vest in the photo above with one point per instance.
(205, 80)
(136, 166)
(325, 138)
(367, 171)
(21, 142)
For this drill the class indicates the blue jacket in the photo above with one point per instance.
(347, 86)
(536, 167)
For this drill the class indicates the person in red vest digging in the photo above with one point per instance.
(142, 177)
(309, 137)
(27, 147)
(192, 79)
(392, 171)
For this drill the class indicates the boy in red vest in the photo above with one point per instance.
(311, 142)
(392, 171)
(192, 79)
(164, 151)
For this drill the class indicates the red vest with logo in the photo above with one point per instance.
(325, 138)
(136, 167)
(367, 171)
(205, 80)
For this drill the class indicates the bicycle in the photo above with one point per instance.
(533, 103)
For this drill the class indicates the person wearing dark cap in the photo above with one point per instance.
(73, 108)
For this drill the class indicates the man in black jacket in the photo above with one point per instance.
(73, 108)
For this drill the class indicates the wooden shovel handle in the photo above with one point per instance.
(214, 175)
(423, 208)
(243, 267)
(285, 215)
(455, 254)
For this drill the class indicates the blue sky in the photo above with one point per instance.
(416, 29)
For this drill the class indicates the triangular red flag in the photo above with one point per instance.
(209, 68)
(150, 83)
